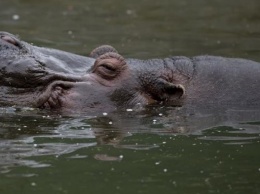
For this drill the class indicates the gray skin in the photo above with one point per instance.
(52, 79)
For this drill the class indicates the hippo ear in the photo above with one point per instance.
(162, 90)
(101, 50)
(109, 65)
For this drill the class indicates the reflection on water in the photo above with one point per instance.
(27, 133)
(130, 150)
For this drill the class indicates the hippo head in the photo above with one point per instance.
(51, 79)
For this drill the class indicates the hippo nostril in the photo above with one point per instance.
(9, 40)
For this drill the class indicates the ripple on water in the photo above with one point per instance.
(231, 135)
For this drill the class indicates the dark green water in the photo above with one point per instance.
(158, 150)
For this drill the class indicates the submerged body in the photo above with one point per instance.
(105, 81)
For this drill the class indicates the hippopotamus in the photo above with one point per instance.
(44, 78)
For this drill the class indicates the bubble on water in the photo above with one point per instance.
(165, 170)
(121, 156)
(35, 145)
(16, 17)
(160, 114)
(157, 163)
(164, 142)
(110, 122)
(129, 12)
(129, 110)
(19, 129)
(104, 113)
(33, 184)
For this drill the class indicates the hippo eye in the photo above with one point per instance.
(10, 40)
(109, 65)
(108, 71)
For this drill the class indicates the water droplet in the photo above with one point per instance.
(104, 113)
(110, 123)
(33, 184)
(129, 12)
(121, 156)
(16, 17)
(165, 170)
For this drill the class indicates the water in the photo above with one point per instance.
(159, 149)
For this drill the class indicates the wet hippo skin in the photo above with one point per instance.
(46, 78)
